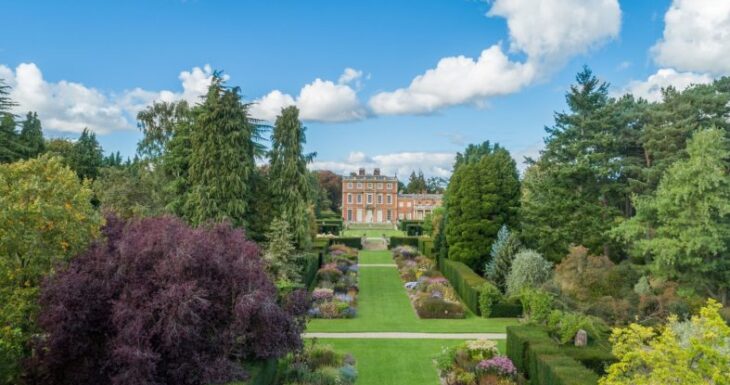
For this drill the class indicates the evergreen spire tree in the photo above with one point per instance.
(289, 175)
(222, 157)
(86, 156)
(31, 135)
(503, 252)
(10, 147)
(6, 103)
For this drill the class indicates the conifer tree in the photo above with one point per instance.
(31, 135)
(222, 151)
(86, 156)
(280, 252)
(10, 147)
(503, 252)
(483, 195)
(684, 227)
(290, 185)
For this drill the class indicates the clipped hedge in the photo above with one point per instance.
(403, 241)
(330, 225)
(425, 247)
(354, 242)
(544, 362)
(466, 282)
(506, 309)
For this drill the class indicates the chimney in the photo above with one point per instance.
(361, 172)
(376, 171)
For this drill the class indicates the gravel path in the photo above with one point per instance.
(404, 335)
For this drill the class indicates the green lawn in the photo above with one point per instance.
(368, 257)
(372, 233)
(395, 362)
(383, 306)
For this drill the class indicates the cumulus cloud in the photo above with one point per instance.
(696, 37)
(401, 163)
(548, 32)
(67, 106)
(319, 101)
(651, 88)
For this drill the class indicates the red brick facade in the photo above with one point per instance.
(374, 198)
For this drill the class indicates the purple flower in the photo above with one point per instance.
(498, 365)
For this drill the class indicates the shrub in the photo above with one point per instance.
(489, 296)
(583, 276)
(318, 365)
(501, 366)
(565, 325)
(432, 307)
(529, 269)
(329, 273)
(159, 302)
(354, 242)
(536, 304)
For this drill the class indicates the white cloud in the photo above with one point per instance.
(555, 30)
(320, 101)
(651, 88)
(549, 32)
(401, 163)
(457, 80)
(532, 151)
(67, 106)
(696, 37)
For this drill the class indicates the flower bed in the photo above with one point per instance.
(430, 292)
(335, 293)
(475, 362)
(318, 364)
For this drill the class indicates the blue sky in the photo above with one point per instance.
(97, 63)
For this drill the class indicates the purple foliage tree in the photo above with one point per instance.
(157, 302)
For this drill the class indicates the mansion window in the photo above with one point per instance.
(359, 185)
(370, 185)
(359, 198)
(370, 198)
(408, 204)
(349, 198)
(400, 215)
(349, 215)
(380, 186)
(380, 198)
(389, 199)
(389, 215)
(349, 185)
(389, 186)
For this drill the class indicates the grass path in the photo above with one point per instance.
(387, 337)
(383, 306)
(395, 362)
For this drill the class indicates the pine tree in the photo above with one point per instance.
(31, 136)
(290, 185)
(6, 103)
(503, 253)
(11, 148)
(86, 156)
(222, 151)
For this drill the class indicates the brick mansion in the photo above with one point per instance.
(374, 198)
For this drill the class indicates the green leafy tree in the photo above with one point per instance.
(280, 253)
(331, 186)
(31, 136)
(503, 253)
(130, 191)
(529, 270)
(436, 185)
(694, 352)
(222, 152)
(483, 195)
(86, 157)
(684, 227)
(290, 187)
(45, 218)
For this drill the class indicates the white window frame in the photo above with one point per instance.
(359, 198)
(349, 185)
(389, 199)
(349, 197)
(380, 199)
(370, 185)
(359, 185)
(370, 199)
(389, 186)
(349, 215)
